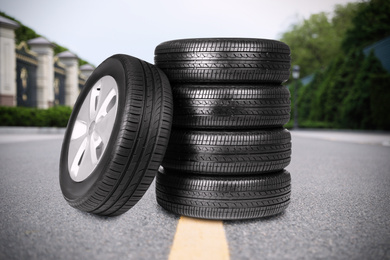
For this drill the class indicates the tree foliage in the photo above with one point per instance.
(352, 90)
(370, 24)
(314, 42)
(342, 18)
(351, 93)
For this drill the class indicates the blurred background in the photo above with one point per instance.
(340, 51)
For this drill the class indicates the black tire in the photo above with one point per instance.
(224, 198)
(137, 143)
(230, 106)
(228, 152)
(234, 60)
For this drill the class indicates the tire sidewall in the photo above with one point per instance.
(78, 191)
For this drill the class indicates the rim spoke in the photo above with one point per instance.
(84, 113)
(104, 123)
(77, 149)
(94, 100)
(79, 136)
(107, 85)
(87, 165)
(106, 103)
(94, 145)
(79, 129)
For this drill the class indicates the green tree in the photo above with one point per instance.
(306, 97)
(307, 42)
(355, 109)
(370, 24)
(350, 90)
(314, 42)
(342, 18)
(58, 49)
(23, 33)
(323, 110)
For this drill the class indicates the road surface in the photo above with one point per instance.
(340, 206)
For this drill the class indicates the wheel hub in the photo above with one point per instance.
(93, 128)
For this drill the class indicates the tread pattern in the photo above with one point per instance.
(218, 164)
(242, 197)
(228, 56)
(230, 107)
(228, 152)
(224, 60)
(222, 45)
(141, 142)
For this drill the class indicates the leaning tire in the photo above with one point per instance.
(116, 136)
(234, 60)
(224, 198)
(230, 106)
(228, 152)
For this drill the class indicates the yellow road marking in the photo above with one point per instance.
(199, 239)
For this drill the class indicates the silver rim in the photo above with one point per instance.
(92, 129)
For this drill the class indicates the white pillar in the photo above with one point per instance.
(72, 79)
(7, 62)
(86, 70)
(45, 71)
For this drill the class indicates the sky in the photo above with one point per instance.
(97, 29)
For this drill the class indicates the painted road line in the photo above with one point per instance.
(199, 239)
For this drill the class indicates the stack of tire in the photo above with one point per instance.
(228, 148)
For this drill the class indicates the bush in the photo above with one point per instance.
(290, 124)
(355, 107)
(315, 124)
(22, 116)
(352, 93)
(379, 101)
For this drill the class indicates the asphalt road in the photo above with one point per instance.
(340, 207)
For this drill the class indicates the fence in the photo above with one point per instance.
(34, 77)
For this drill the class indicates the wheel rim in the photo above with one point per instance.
(93, 128)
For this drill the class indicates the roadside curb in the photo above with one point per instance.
(31, 130)
(359, 137)
(353, 131)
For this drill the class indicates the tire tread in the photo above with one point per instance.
(225, 198)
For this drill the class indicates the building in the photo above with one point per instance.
(30, 74)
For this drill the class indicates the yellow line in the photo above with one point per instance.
(199, 239)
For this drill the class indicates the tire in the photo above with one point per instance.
(228, 152)
(224, 198)
(230, 106)
(115, 142)
(233, 60)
